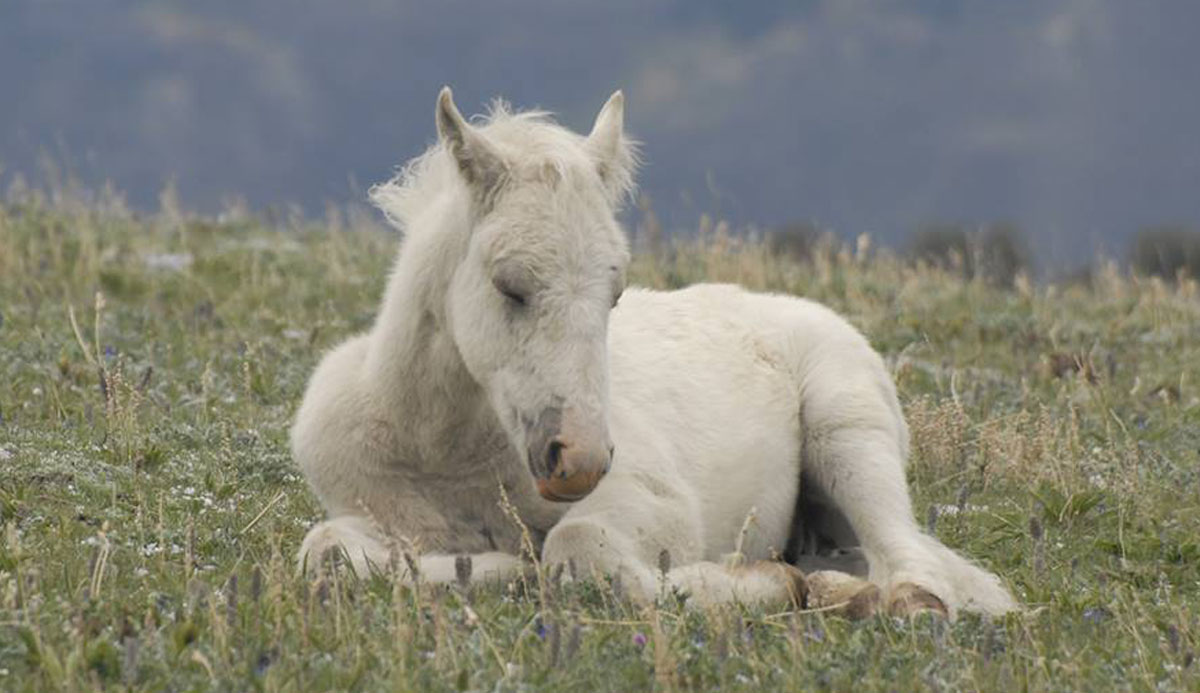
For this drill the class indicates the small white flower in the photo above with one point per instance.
(174, 262)
(952, 510)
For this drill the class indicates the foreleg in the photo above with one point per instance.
(368, 551)
(605, 550)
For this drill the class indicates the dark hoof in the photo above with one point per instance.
(842, 594)
(797, 585)
(909, 599)
(865, 604)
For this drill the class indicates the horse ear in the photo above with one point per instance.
(479, 162)
(612, 152)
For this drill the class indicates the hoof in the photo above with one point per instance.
(864, 604)
(790, 577)
(797, 585)
(842, 594)
(908, 599)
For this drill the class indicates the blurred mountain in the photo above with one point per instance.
(1075, 119)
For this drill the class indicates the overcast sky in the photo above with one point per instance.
(1077, 120)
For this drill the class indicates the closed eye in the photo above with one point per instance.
(512, 295)
(515, 282)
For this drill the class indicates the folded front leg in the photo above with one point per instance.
(710, 584)
(368, 551)
(604, 549)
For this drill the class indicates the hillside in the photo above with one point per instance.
(149, 367)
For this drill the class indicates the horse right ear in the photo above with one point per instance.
(479, 162)
(613, 153)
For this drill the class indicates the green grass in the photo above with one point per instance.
(151, 512)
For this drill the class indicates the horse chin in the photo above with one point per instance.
(553, 492)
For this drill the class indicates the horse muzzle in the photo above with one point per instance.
(567, 468)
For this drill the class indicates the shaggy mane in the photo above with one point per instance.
(530, 142)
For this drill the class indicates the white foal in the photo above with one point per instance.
(675, 421)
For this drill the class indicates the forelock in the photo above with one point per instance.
(537, 150)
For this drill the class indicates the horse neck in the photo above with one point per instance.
(412, 361)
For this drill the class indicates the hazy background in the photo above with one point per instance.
(1078, 121)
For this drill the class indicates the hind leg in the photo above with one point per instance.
(860, 468)
(861, 471)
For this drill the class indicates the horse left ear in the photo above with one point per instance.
(612, 152)
(479, 162)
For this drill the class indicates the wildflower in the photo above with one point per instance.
(639, 639)
(815, 633)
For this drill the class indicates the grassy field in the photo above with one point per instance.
(150, 511)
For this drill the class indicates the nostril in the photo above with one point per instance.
(554, 459)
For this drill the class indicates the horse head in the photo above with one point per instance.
(528, 305)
